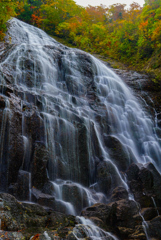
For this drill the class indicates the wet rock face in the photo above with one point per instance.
(145, 184)
(121, 156)
(39, 165)
(107, 177)
(21, 128)
(23, 185)
(119, 193)
(124, 217)
(2, 102)
(115, 216)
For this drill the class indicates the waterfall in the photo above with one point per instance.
(80, 106)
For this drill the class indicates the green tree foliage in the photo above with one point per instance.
(7, 10)
(131, 35)
(55, 12)
(149, 29)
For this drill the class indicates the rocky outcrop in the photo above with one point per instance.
(121, 216)
(145, 184)
(120, 155)
(132, 219)
(107, 177)
(126, 218)
(24, 220)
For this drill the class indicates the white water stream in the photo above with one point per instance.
(86, 228)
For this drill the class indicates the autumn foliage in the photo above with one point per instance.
(7, 10)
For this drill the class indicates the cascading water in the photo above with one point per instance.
(4, 135)
(80, 107)
(128, 122)
(86, 228)
(1, 209)
(155, 206)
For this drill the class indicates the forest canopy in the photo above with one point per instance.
(7, 9)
